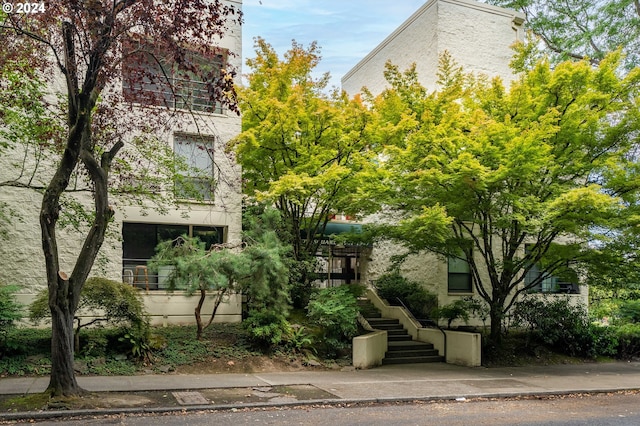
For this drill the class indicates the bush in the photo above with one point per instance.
(563, 327)
(418, 300)
(335, 311)
(111, 302)
(10, 311)
(459, 309)
(628, 340)
(267, 328)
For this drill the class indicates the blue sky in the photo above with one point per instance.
(346, 30)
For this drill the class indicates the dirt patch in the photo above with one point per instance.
(255, 364)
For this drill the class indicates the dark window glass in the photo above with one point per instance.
(209, 236)
(152, 78)
(459, 276)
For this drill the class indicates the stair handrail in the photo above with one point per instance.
(426, 320)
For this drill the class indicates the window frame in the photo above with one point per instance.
(468, 289)
(550, 284)
(152, 78)
(153, 237)
(198, 177)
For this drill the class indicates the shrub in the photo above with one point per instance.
(628, 340)
(418, 300)
(459, 309)
(335, 311)
(563, 327)
(300, 340)
(267, 328)
(108, 301)
(10, 311)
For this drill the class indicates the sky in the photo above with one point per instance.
(346, 30)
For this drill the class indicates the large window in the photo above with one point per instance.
(152, 78)
(459, 275)
(546, 283)
(139, 241)
(197, 181)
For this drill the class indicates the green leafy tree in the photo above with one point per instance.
(197, 269)
(267, 290)
(255, 267)
(303, 150)
(78, 48)
(582, 29)
(499, 177)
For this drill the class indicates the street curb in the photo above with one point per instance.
(43, 415)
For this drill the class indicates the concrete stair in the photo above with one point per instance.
(402, 349)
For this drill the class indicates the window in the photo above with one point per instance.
(152, 78)
(139, 241)
(459, 276)
(547, 283)
(197, 181)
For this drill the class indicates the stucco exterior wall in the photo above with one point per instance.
(431, 271)
(21, 250)
(477, 35)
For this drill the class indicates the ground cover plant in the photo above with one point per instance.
(224, 348)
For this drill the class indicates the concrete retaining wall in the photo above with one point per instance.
(176, 308)
(459, 348)
(369, 350)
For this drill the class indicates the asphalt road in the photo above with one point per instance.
(622, 408)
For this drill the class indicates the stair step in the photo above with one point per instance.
(382, 321)
(401, 349)
(396, 332)
(411, 354)
(412, 360)
(411, 345)
(399, 338)
(387, 327)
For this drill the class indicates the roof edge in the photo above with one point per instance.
(517, 17)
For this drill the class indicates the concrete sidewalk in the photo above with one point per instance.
(394, 382)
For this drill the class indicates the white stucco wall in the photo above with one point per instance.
(21, 251)
(477, 35)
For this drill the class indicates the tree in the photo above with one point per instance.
(303, 150)
(581, 29)
(81, 47)
(511, 181)
(255, 268)
(199, 269)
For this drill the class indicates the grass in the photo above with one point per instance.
(31, 402)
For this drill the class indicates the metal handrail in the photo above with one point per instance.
(426, 320)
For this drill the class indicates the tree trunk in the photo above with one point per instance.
(63, 380)
(496, 308)
(198, 310)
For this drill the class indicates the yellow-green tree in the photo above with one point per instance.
(304, 150)
(483, 171)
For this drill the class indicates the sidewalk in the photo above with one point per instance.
(387, 383)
